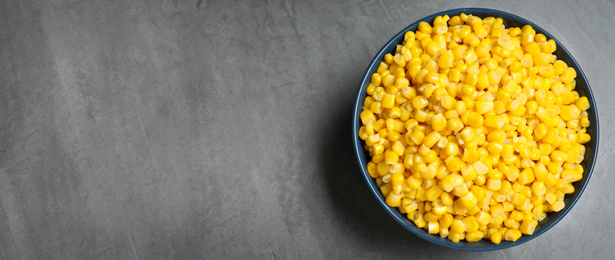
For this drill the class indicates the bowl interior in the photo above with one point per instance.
(582, 87)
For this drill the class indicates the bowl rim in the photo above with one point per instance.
(358, 147)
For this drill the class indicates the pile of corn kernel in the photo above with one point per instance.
(475, 130)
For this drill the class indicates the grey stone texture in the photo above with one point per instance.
(221, 129)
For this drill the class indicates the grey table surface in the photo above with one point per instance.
(221, 130)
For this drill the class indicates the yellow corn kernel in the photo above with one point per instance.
(539, 188)
(540, 59)
(475, 119)
(433, 227)
(421, 116)
(557, 206)
(445, 61)
(378, 158)
(405, 115)
(376, 80)
(388, 80)
(433, 193)
(397, 179)
(470, 155)
(372, 139)
(569, 112)
(390, 157)
(417, 136)
(419, 102)
(395, 112)
(398, 148)
(393, 136)
(382, 168)
(447, 184)
(480, 180)
(451, 149)
(494, 121)
(383, 66)
(446, 220)
(425, 28)
(496, 238)
(442, 142)
(483, 80)
(470, 223)
(378, 149)
(371, 169)
(582, 103)
(537, 211)
(461, 191)
(438, 122)
(399, 60)
(584, 121)
(430, 172)
(494, 148)
(559, 156)
(469, 200)
(496, 210)
(540, 38)
(388, 58)
(455, 236)
(583, 138)
(482, 51)
(419, 219)
(446, 198)
(483, 218)
(458, 226)
(376, 107)
(528, 226)
(409, 205)
(420, 195)
(571, 175)
(493, 184)
(454, 163)
(532, 48)
(408, 92)
(368, 101)
(438, 208)
(363, 132)
(550, 197)
(454, 124)
(431, 139)
(367, 117)
(526, 176)
(430, 156)
(414, 182)
(386, 189)
(512, 235)
(393, 200)
(511, 223)
(474, 236)
(468, 134)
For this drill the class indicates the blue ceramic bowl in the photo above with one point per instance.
(582, 87)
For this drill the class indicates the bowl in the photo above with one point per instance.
(582, 87)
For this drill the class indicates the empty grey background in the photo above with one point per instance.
(221, 129)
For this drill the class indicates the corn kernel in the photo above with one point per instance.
(447, 184)
(393, 200)
(512, 235)
(528, 226)
(454, 164)
(496, 238)
(474, 236)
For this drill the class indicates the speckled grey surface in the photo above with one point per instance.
(221, 129)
